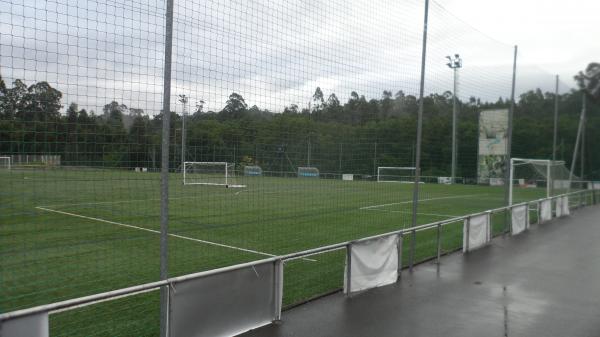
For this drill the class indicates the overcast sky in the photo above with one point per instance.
(561, 36)
(275, 53)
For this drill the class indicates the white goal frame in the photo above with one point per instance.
(227, 180)
(549, 181)
(8, 159)
(379, 168)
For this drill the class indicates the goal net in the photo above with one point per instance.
(540, 178)
(395, 174)
(210, 173)
(5, 163)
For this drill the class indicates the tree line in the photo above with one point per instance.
(337, 137)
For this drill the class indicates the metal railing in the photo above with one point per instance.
(584, 197)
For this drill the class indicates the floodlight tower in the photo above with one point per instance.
(454, 63)
(183, 99)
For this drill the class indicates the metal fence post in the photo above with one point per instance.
(348, 269)
(164, 173)
(419, 135)
(399, 247)
(511, 111)
(411, 255)
(578, 139)
(555, 120)
(439, 242)
(468, 234)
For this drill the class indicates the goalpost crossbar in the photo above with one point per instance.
(397, 168)
(226, 174)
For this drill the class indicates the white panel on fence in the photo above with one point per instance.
(565, 206)
(228, 303)
(373, 263)
(31, 326)
(559, 207)
(476, 232)
(562, 206)
(347, 176)
(520, 219)
(445, 180)
(545, 211)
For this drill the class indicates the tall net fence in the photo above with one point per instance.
(287, 109)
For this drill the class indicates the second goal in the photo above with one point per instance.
(210, 173)
(391, 174)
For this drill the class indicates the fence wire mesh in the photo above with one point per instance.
(284, 112)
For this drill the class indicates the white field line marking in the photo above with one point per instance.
(141, 200)
(263, 192)
(421, 200)
(405, 212)
(158, 232)
(154, 231)
(113, 202)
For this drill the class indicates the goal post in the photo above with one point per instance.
(210, 173)
(392, 174)
(549, 175)
(5, 163)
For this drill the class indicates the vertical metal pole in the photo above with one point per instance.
(454, 145)
(340, 164)
(399, 248)
(582, 166)
(468, 234)
(348, 269)
(511, 111)
(549, 181)
(579, 129)
(308, 152)
(164, 172)
(439, 243)
(375, 161)
(555, 120)
(419, 135)
(511, 173)
(183, 136)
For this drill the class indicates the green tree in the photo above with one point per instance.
(235, 107)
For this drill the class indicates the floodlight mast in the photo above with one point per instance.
(454, 64)
(183, 99)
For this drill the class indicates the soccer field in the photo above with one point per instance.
(74, 232)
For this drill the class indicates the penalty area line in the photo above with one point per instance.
(405, 212)
(420, 200)
(156, 232)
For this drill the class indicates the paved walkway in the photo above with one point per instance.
(545, 282)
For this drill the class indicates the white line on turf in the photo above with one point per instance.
(421, 200)
(157, 232)
(405, 212)
(113, 202)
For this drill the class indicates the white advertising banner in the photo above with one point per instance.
(519, 219)
(373, 263)
(562, 206)
(476, 232)
(227, 303)
(565, 206)
(545, 211)
(35, 325)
